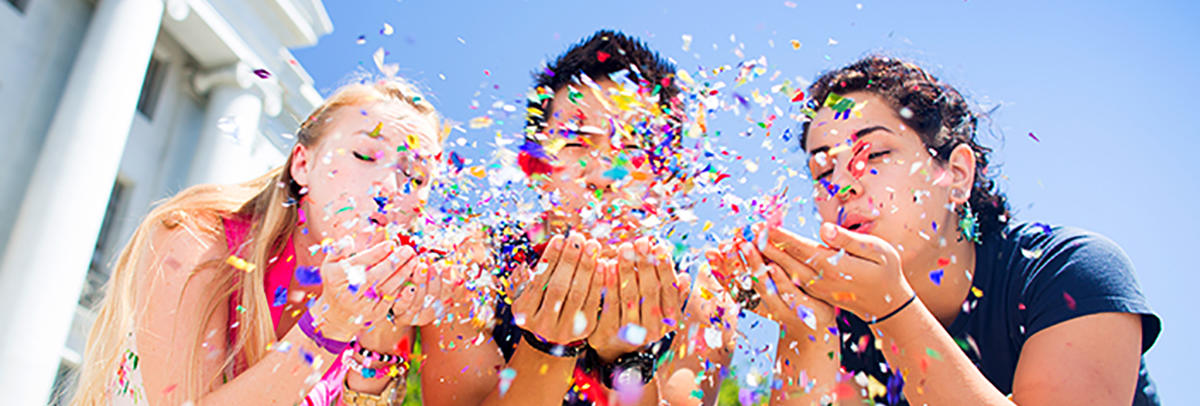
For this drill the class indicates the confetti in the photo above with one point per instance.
(1070, 301)
(506, 377)
(633, 334)
(936, 276)
(239, 263)
(262, 73)
(308, 275)
(387, 29)
(1035, 138)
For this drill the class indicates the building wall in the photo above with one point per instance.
(38, 47)
(37, 50)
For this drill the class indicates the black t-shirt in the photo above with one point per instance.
(1028, 277)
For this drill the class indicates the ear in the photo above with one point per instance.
(961, 171)
(300, 163)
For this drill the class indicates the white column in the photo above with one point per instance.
(47, 256)
(231, 120)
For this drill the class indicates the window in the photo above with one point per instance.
(20, 5)
(98, 271)
(151, 86)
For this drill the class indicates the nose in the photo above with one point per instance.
(844, 186)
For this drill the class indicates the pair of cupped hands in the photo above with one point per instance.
(618, 299)
(799, 281)
(377, 294)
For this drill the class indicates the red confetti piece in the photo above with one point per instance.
(602, 56)
(1035, 138)
(1070, 300)
(943, 261)
(798, 97)
(531, 165)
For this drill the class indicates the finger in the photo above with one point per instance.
(402, 260)
(580, 283)
(596, 289)
(797, 271)
(715, 262)
(768, 288)
(560, 280)
(811, 253)
(373, 255)
(531, 296)
(673, 291)
(649, 302)
(434, 303)
(793, 301)
(610, 314)
(628, 283)
(421, 281)
(860, 245)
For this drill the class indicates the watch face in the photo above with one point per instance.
(629, 377)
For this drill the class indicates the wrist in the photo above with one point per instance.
(562, 350)
(332, 324)
(317, 334)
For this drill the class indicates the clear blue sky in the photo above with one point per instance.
(1103, 86)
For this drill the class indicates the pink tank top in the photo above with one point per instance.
(279, 274)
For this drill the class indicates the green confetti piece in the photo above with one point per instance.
(962, 343)
(933, 353)
(343, 209)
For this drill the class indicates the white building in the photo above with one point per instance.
(107, 107)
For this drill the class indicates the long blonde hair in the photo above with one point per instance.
(270, 201)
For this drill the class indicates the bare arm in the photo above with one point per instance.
(171, 321)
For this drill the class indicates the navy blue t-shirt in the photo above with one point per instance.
(1028, 277)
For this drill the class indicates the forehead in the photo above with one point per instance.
(397, 123)
(597, 103)
(869, 110)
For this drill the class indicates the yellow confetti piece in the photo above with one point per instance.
(543, 369)
(844, 296)
(478, 172)
(239, 263)
(707, 225)
(796, 44)
(705, 294)
(375, 133)
(413, 141)
(975, 291)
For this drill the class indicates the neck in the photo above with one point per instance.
(303, 240)
(944, 300)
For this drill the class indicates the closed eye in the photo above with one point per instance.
(362, 157)
(874, 155)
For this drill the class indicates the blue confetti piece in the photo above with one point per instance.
(308, 275)
(381, 202)
(616, 173)
(280, 296)
(457, 161)
(534, 149)
(936, 276)
(747, 233)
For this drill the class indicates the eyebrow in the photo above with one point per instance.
(857, 134)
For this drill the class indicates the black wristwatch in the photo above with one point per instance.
(636, 367)
(569, 350)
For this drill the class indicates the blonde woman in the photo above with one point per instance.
(299, 287)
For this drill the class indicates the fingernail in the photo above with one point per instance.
(829, 230)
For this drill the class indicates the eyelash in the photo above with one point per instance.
(362, 157)
(870, 156)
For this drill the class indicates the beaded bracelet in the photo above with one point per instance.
(387, 371)
(378, 356)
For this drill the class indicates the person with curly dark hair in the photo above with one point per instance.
(923, 289)
(594, 306)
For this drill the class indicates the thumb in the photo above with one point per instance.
(864, 246)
